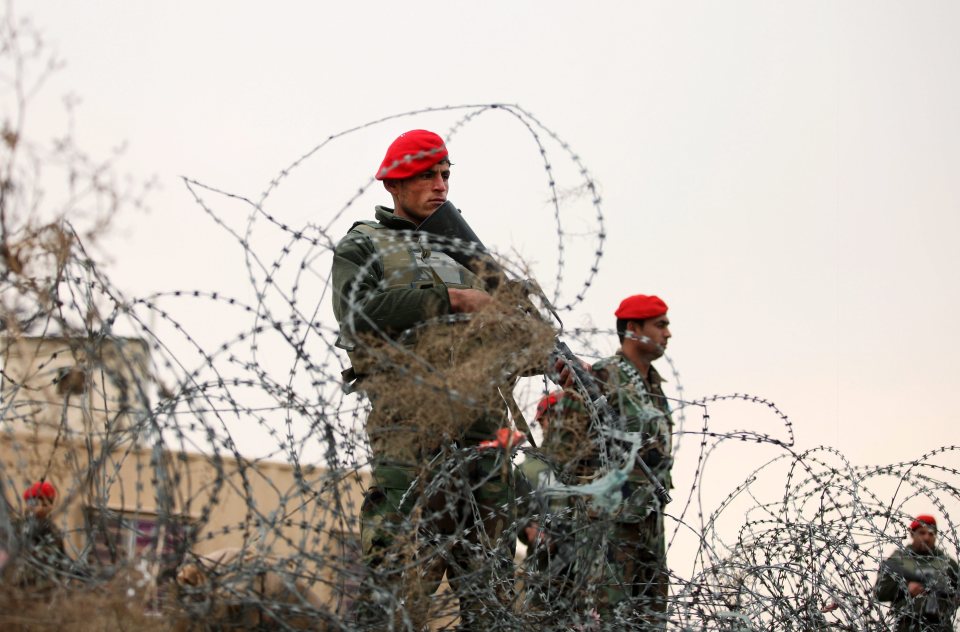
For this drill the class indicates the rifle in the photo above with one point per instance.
(447, 223)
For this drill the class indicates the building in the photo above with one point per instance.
(83, 414)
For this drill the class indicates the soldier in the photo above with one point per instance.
(387, 281)
(42, 561)
(638, 583)
(536, 472)
(559, 554)
(921, 582)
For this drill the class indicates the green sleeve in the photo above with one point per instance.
(375, 308)
(888, 586)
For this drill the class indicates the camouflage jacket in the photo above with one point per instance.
(42, 562)
(645, 411)
(932, 610)
(386, 281)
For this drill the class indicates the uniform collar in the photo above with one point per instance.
(653, 377)
(388, 218)
(934, 553)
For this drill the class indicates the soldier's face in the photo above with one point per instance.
(417, 197)
(651, 336)
(924, 540)
(544, 422)
(40, 508)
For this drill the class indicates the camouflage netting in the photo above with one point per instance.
(210, 477)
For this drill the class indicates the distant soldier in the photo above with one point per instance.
(921, 582)
(538, 471)
(41, 559)
(387, 281)
(639, 583)
(549, 524)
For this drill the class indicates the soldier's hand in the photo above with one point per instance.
(535, 535)
(915, 588)
(565, 373)
(467, 301)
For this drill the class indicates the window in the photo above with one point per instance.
(128, 539)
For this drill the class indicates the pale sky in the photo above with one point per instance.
(783, 174)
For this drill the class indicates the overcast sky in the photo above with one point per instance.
(783, 174)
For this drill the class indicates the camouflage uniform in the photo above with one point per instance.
(636, 580)
(42, 562)
(550, 578)
(386, 281)
(932, 611)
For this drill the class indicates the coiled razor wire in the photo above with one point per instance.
(210, 481)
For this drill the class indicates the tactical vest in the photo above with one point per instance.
(409, 262)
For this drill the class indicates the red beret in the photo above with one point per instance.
(411, 153)
(561, 401)
(506, 439)
(40, 490)
(640, 307)
(923, 520)
(548, 402)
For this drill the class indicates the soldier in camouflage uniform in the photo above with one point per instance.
(921, 582)
(556, 577)
(385, 282)
(636, 579)
(41, 563)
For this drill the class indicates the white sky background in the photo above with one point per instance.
(783, 174)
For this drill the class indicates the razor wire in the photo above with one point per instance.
(213, 480)
(148, 410)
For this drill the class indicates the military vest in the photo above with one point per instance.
(410, 261)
